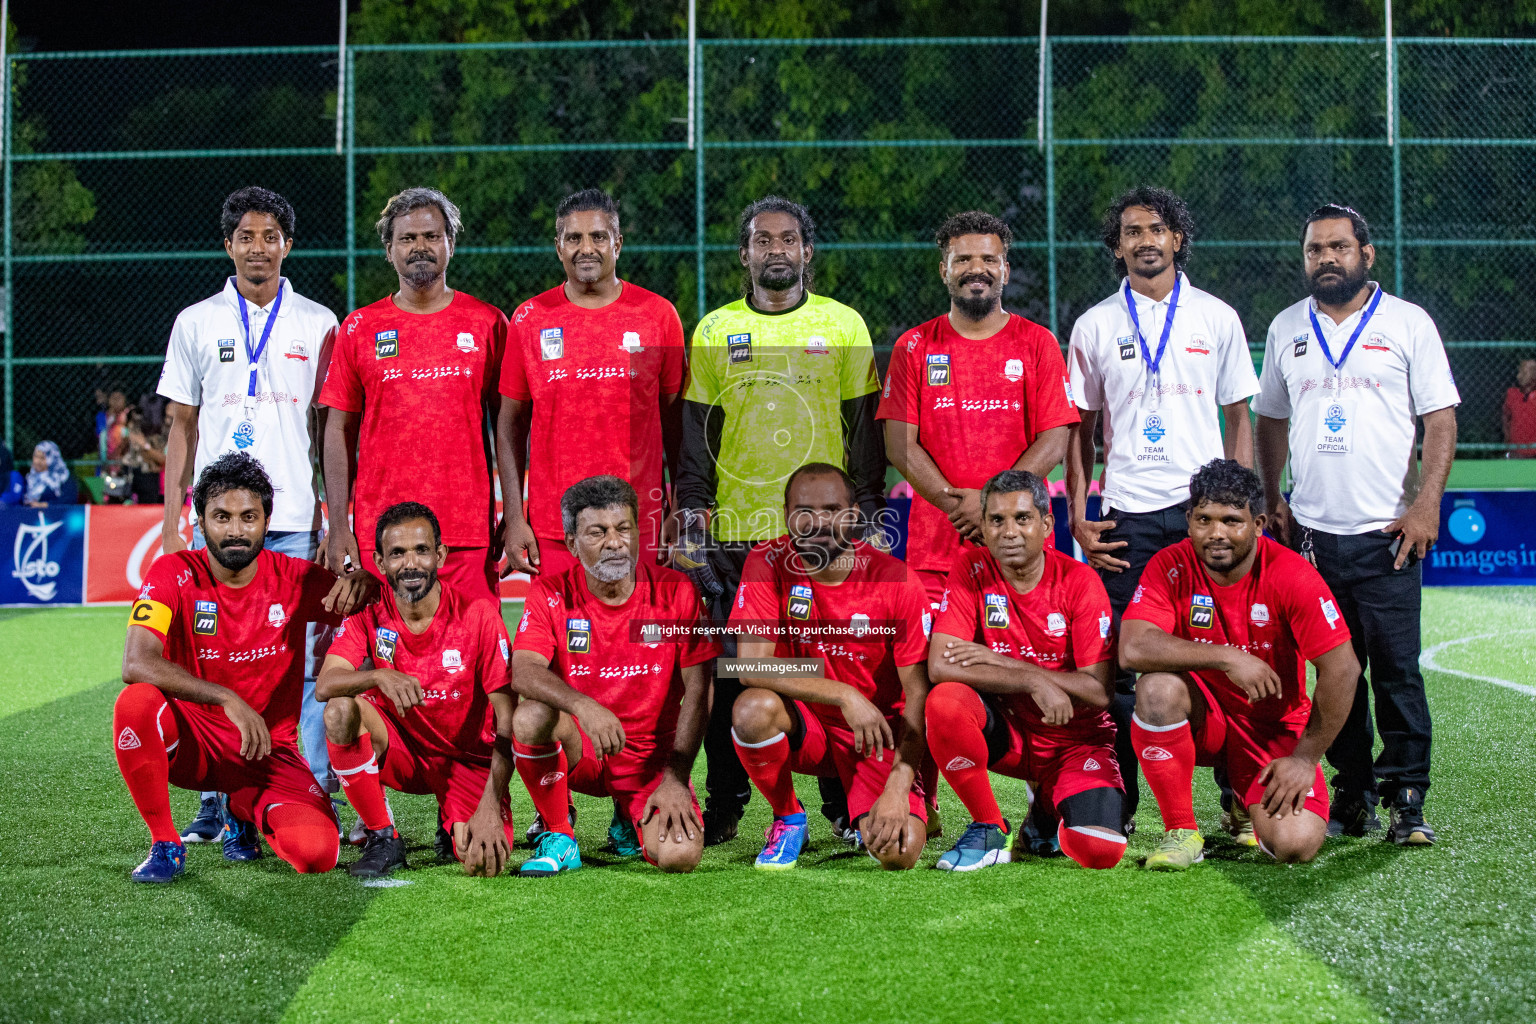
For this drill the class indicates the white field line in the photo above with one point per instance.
(1427, 660)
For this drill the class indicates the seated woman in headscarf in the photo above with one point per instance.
(13, 486)
(49, 483)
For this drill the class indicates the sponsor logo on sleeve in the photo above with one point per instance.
(927, 623)
(1330, 612)
(386, 344)
(1104, 622)
(205, 618)
(1202, 612)
(578, 636)
(506, 654)
(738, 348)
(1136, 597)
(938, 369)
(384, 641)
(799, 606)
(996, 606)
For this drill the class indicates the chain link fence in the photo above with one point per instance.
(115, 166)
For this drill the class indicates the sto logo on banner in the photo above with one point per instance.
(47, 555)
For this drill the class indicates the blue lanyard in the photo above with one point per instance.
(1365, 318)
(254, 356)
(1153, 362)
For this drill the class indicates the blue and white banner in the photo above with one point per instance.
(42, 555)
(1487, 538)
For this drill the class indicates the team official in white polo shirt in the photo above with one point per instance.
(241, 373)
(1348, 374)
(1165, 365)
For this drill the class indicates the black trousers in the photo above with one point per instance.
(726, 784)
(1145, 533)
(1381, 605)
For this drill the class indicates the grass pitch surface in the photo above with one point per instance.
(1367, 933)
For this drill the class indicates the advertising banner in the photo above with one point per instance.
(42, 555)
(125, 541)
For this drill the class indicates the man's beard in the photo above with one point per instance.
(1341, 289)
(413, 596)
(778, 277)
(974, 308)
(1133, 265)
(420, 274)
(234, 556)
(1225, 559)
(817, 551)
(610, 568)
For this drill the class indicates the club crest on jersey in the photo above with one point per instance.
(938, 370)
(276, 616)
(816, 345)
(552, 343)
(205, 618)
(738, 348)
(799, 602)
(997, 611)
(578, 636)
(1055, 624)
(1299, 346)
(384, 641)
(1202, 612)
(386, 344)
(631, 342)
(226, 350)
(453, 661)
(858, 623)
(1198, 345)
(297, 350)
(1127, 347)
(1013, 369)
(1152, 428)
(1375, 343)
(1259, 614)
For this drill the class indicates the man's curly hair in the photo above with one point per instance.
(1160, 201)
(233, 471)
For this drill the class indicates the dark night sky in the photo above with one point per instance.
(144, 24)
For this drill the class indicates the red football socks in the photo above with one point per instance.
(1167, 756)
(144, 734)
(358, 771)
(956, 719)
(767, 763)
(304, 836)
(543, 769)
(1090, 848)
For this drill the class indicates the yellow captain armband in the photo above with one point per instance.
(152, 615)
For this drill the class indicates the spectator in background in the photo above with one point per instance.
(49, 483)
(1520, 411)
(112, 439)
(13, 486)
(145, 457)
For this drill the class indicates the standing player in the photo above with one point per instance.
(780, 378)
(242, 373)
(410, 387)
(1347, 374)
(1022, 676)
(432, 714)
(1166, 366)
(589, 386)
(970, 394)
(606, 711)
(1222, 626)
(821, 593)
(213, 672)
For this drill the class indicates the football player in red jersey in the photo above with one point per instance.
(213, 667)
(1021, 661)
(433, 714)
(607, 711)
(411, 383)
(818, 593)
(589, 387)
(1223, 624)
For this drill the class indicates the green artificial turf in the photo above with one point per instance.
(1368, 932)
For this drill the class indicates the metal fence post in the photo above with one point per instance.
(10, 286)
(1394, 132)
(1050, 187)
(351, 219)
(698, 174)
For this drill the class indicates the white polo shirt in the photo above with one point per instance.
(1353, 467)
(206, 366)
(1155, 441)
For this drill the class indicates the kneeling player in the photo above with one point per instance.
(1022, 647)
(214, 667)
(818, 593)
(433, 714)
(1222, 625)
(605, 711)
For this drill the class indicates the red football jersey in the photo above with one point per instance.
(595, 377)
(882, 596)
(250, 638)
(977, 405)
(460, 659)
(1281, 612)
(1062, 625)
(421, 382)
(595, 648)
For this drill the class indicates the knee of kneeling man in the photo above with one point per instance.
(534, 721)
(754, 711)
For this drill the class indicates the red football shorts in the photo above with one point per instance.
(470, 571)
(628, 778)
(825, 750)
(207, 758)
(457, 786)
(1058, 766)
(1246, 745)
